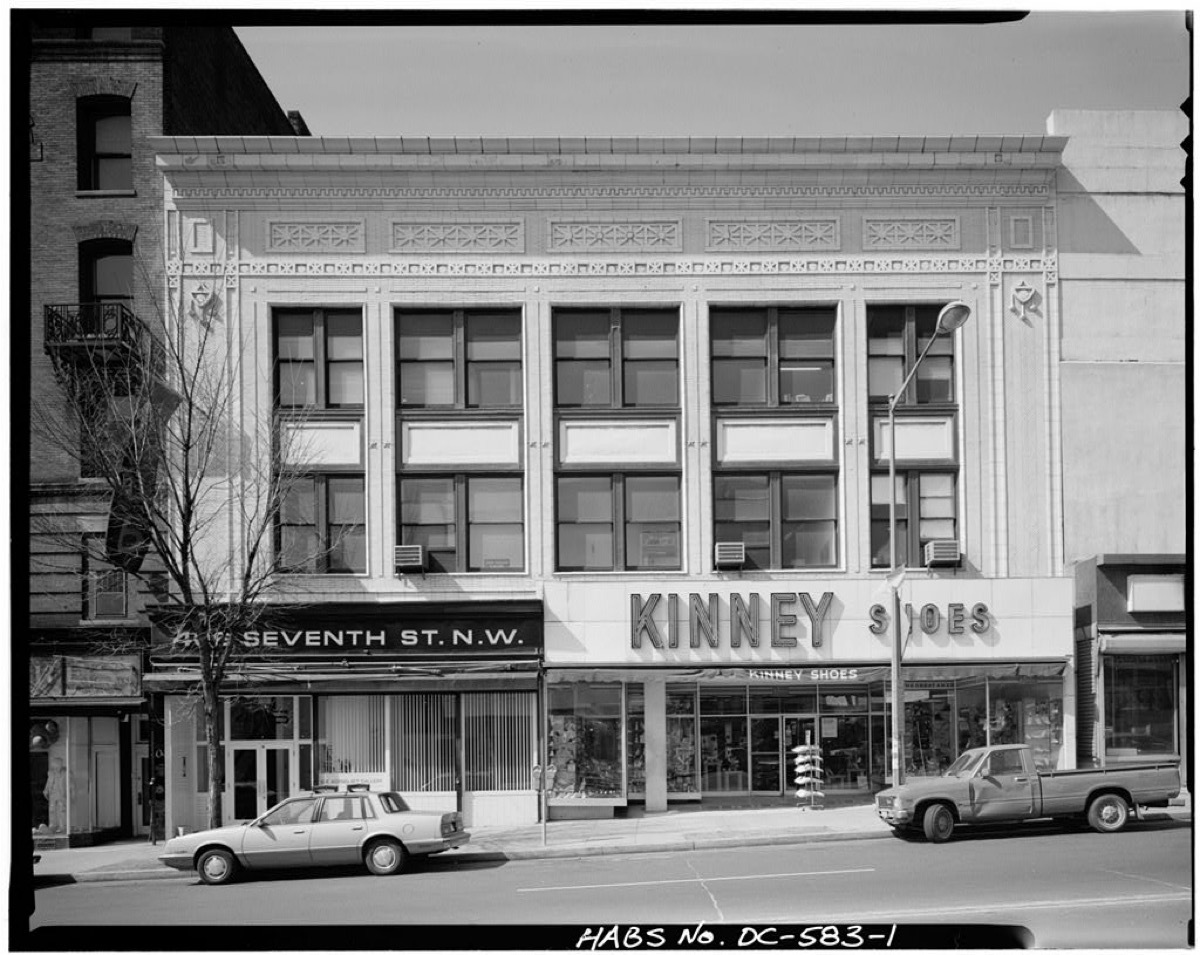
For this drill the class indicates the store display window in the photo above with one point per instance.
(1027, 712)
(635, 739)
(1140, 706)
(585, 744)
(682, 779)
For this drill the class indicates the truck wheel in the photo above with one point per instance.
(1108, 813)
(216, 867)
(386, 857)
(939, 823)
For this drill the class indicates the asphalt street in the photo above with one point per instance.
(1071, 889)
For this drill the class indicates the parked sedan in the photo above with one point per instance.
(320, 828)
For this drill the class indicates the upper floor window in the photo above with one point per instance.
(319, 358)
(773, 356)
(896, 336)
(926, 510)
(458, 358)
(106, 271)
(105, 588)
(322, 525)
(619, 522)
(465, 523)
(105, 143)
(616, 357)
(782, 519)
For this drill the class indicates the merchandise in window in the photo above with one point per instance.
(592, 508)
(458, 358)
(776, 357)
(782, 520)
(485, 512)
(932, 495)
(585, 751)
(322, 526)
(616, 358)
(105, 144)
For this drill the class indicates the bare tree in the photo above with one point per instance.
(196, 470)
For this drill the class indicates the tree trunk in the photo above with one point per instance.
(216, 761)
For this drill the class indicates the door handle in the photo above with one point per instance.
(1020, 779)
(299, 832)
(356, 828)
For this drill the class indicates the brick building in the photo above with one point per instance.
(97, 92)
(614, 412)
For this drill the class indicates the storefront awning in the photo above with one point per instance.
(862, 673)
(360, 678)
(1137, 643)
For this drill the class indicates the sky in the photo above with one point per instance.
(727, 79)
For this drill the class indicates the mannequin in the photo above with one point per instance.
(56, 795)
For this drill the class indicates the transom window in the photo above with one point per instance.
(322, 525)
(773, 356)
(897, 334)
(465, 523)
(105, 143)
(459, 358)
(931, 496)
(616, 358)
(319, 358)
(619, 522)
(782, 519)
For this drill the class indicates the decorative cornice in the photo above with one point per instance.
(495, 237)
(307, 236)
(911, 233)
(589, 236)
(964, 190)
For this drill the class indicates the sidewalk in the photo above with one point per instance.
(672, 831)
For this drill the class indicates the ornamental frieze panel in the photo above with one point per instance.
(345, 236)
(774, 235)
(654, 235)
(457, 237)
(911, 233)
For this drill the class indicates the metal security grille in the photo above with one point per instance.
(423, 742)
(500, 740)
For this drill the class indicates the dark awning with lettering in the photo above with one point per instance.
(811, 673)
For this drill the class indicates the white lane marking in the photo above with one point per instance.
(909, 914)
(1146, 878)
(719, 878)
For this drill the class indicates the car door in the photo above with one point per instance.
(280, 838)
(1002, 788)
(338, 831)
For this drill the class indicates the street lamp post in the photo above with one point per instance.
(951, 317)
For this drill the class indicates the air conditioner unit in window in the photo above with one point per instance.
(410, 559)
(942, 554)
(729, 555)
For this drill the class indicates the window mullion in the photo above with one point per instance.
(616, 372)
(912, 487)
(776, 505)
(773, 357)
(461, 527)
(321, 366)
(910, 352)
(460, 358)
(618, 491)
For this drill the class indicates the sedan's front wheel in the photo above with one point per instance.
(939, 823)
(386, 857)
(216, 866)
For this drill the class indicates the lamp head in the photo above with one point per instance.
(952, 316)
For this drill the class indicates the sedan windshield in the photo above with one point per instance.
(965, 764)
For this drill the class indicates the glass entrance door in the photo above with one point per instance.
(765, 758)
(258, 775)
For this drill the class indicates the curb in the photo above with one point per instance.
(537, 852)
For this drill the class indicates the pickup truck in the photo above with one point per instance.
(1000, 784)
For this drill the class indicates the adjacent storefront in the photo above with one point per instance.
(1131, 632)
(699, 695)
(87, 731)
(435, 701)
